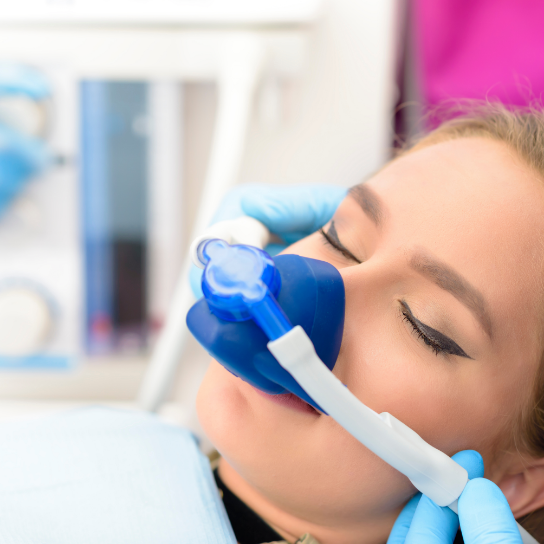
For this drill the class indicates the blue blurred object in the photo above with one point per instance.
(19, 79)
(289, 212)
(484, 514)
(107, 476)
(311, 295)
(21, 156)
(114, 183)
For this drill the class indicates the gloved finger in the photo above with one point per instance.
(230, 207)
(403, 522)
(259, 194)
(432, 524)
(471, 461)
(485, 515)
(300, 209)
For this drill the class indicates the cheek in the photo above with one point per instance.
(221, 407)
(451, 403)
(446, 410)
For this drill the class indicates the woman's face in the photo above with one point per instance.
(441, 256)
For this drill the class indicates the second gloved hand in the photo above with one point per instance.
(484, 514)
(291, 213)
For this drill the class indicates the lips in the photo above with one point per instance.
(290, 401)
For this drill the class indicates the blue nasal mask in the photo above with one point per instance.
(251, 298)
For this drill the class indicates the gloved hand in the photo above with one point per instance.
(289, 212)
(484, 514)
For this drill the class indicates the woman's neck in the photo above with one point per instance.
(291, 528)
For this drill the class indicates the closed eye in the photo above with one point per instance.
(331, 238)
(432, 338)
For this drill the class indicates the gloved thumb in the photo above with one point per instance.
(485, 515)
(472, 462)
(432, 524)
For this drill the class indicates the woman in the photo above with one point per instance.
(441, 254)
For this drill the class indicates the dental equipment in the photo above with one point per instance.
(243, 288)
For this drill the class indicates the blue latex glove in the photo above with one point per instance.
(289, 212)
(21, 156)
(484, 514)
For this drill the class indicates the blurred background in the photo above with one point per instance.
(122, 123)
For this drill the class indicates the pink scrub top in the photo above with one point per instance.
(480, 49)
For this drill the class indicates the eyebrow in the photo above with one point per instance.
(448, 279)
(369, 202)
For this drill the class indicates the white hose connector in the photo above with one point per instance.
(243, 230)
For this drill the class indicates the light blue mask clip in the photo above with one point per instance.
(241, 282)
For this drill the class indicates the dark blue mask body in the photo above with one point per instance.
(311, 295)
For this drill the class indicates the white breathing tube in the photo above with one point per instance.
(431, 471)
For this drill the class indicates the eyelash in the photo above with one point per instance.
(437, 348)
(330, 241)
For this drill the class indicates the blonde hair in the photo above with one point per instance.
(522, 129)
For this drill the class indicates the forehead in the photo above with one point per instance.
(477, 207)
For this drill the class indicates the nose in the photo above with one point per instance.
(371, 289)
